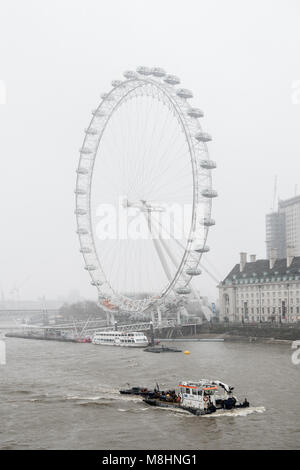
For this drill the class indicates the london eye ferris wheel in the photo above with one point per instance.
(144, 192)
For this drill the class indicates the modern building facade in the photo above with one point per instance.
(291, 210)
(283, 228)
(265, 290)
(275, 234)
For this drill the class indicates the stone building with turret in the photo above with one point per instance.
(264, 290)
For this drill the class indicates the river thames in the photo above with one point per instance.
(65, 396)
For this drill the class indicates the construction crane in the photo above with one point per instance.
(274, 193)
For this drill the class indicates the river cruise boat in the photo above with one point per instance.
(132, 339)
(200, 398)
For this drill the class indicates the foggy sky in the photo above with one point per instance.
(242, 61)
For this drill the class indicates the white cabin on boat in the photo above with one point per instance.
(203, 394)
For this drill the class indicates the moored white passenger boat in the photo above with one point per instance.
(132, 339)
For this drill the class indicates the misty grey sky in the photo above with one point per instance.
(240, 58)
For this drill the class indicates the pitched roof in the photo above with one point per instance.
(262, 267)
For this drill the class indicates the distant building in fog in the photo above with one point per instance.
(275, 234)
(283, 228)
(266, 290)
(40, 304)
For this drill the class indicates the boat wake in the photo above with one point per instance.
(103, 395)
(108, 396)
(237, 412)
(133, 410)
(218, 414)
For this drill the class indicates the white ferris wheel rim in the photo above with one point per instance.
(177, 100)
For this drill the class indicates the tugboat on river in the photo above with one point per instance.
(200, 398)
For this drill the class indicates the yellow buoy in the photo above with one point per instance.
(187, 352)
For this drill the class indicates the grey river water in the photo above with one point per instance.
(65, 396)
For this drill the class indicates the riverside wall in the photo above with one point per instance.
(232, 332)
